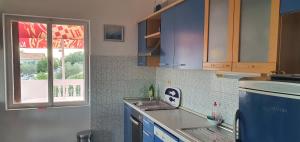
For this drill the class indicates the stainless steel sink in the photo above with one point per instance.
(153, 105)
(208, 134)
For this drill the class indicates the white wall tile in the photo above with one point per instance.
(114, 78)
(200, 89)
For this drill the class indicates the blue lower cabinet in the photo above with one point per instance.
(161, 135)
(148, 130)
(147, 137)
(148, 125)
(151, 131)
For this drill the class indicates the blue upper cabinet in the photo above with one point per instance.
(167, 38)
(189, 31)
(182, 29)
(142, 46)
(288, 6)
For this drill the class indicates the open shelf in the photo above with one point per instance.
(156, 15)
(152, 35)
(155, 35)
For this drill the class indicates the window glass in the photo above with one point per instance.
(68, 59)
(30, 62)
(46, 62)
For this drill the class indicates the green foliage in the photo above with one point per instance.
(28, 68)
(58, 74)
(77, 76)
(57, 63)
(42, 65)
(41, 76)
(72, 69)
(57, 69)
(77, 57)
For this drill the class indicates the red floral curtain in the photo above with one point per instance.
(34, 35)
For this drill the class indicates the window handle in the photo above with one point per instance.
(180, 65)
(163, 64)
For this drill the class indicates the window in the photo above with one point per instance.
(47, 61)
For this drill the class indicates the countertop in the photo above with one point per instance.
(173, 120)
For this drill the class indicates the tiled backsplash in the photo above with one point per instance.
(200, 89)
(113, 78)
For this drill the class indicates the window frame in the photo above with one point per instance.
(7, 19)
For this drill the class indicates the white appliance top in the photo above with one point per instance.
(286, 88)
(173, 96)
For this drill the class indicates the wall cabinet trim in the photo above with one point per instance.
(273, 41)
(227, 64)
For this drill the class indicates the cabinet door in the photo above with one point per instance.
(127, 124)
(148, 130)
(161, 135)
(218, 34)
(255, 35)
(147, 137)
(142, 46)
(167, 38)
(148, 126)
(289, 6)
(189, 30)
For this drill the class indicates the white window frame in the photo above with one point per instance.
(8, 60)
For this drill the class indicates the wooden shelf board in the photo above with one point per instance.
(156, 15)
(155, 35)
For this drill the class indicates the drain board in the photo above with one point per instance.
(210, 134)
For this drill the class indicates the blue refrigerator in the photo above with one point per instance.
(269, 111)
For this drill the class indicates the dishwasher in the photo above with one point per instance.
(137, 126)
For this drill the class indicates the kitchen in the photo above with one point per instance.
(206, 73)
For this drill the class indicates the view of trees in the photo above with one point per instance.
(38, 70)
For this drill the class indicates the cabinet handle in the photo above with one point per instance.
(134, 121)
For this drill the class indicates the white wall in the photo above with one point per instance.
(120, 12)
(1, 4)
